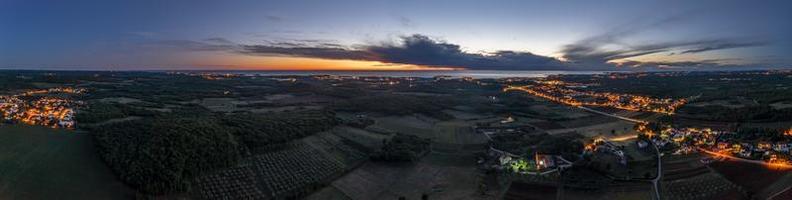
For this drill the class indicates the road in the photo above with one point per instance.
(659, 172)
(771, 165)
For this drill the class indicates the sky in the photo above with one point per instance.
(395, 35)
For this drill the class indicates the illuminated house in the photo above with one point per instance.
(545, 161)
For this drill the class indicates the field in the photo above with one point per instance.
(294, 171)
(706, 186)
(362, 137)
(451, 135)
(43, 163)
(782, 189)
(684, 177)
(619, 127)
(413, 125)
(619, 191)
(437, 175)
(760, 177)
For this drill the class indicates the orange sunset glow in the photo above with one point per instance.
(304, 64)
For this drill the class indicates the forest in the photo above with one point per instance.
(164, 153)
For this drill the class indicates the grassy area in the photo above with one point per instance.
(44, 163)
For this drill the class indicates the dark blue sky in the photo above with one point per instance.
(558, 35)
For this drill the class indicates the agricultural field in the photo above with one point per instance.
(45, 163)
(760, 177)
(440, 176)
(237, 182)
(451, 135)
(778, 190)
(457, 135)
(294, 171)
(705, 186)
(685, 177)
(413, 125)
(616, 191)
(362, 137)
(609, 128)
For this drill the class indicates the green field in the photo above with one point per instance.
(44, 163)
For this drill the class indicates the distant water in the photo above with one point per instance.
(422, 74)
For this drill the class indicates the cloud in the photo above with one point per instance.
(417, 49)
(709, 64)
(312, 52)
(718, 45)
(602, 49)
(209, 45)
(273, 18)
(595, 53)
(218, 40)
(406, 22)
(414, 49)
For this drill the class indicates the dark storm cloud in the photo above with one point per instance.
(414, 49)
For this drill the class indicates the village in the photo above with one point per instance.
(560, 92)
(724, 143)
(37, 107)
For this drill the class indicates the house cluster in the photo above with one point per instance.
(763, 150)
(687, 140)
(32, 108)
